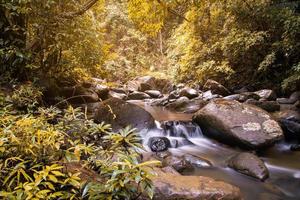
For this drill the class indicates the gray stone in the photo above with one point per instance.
(172, 186)
(138, 96)
(159, 144)
(189, 93)
(154, 93)
(267, 94)
(215, 87)
(238, 124)
(249, 164)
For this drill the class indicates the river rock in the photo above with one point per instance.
(138, 96)
(154, 93)
(197, 161)
(113, 94)
(290, 123)
(242, 97)
(120, 114)
(141, 83)
(238, 124)
(295, 96)
(270, 106)
(249, 164)
(172, 186)
(160, 102)
(178, 103)
(266, 94)
(164, 85)
(159, 144)
(208, 95)
(215, 87)
(173, 95)
(178, 163)
(189, 93)
(102, 91)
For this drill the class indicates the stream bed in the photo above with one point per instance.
(283, 164)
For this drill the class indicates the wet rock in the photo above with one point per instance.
(171, 186)
(208, 95)
(189, 93)
(266, 94)
(215, 87)
(287, 114)
(238, 124)
(173, 95)
(291, 100)
(138, 96)
(159, 144)
(180, 86)
(120, 114)
(154, 93)
(249, 164)
(160, 102)
(102, 91)
(113, 94)
(291, 129)
(290, 123)
(242, 97)
(295, 147)
(197, 161)
(270, 106)
(119, 90)
(178, 163)
(178, 103)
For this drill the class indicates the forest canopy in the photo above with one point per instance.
(187, 40)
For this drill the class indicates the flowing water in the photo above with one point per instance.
(187, 138)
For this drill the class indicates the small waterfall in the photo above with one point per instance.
(181, 129)
(178, 133)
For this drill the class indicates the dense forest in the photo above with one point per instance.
(85, 83)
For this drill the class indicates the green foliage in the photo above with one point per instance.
(27, 97)
(232, 39)
(35, 145)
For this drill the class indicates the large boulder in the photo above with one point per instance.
(172, 186)
(239, 124)
(120, 114)
(215, 87)
(249, 164)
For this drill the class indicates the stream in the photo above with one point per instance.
(283, 164)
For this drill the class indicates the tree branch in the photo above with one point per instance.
(80, 11)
